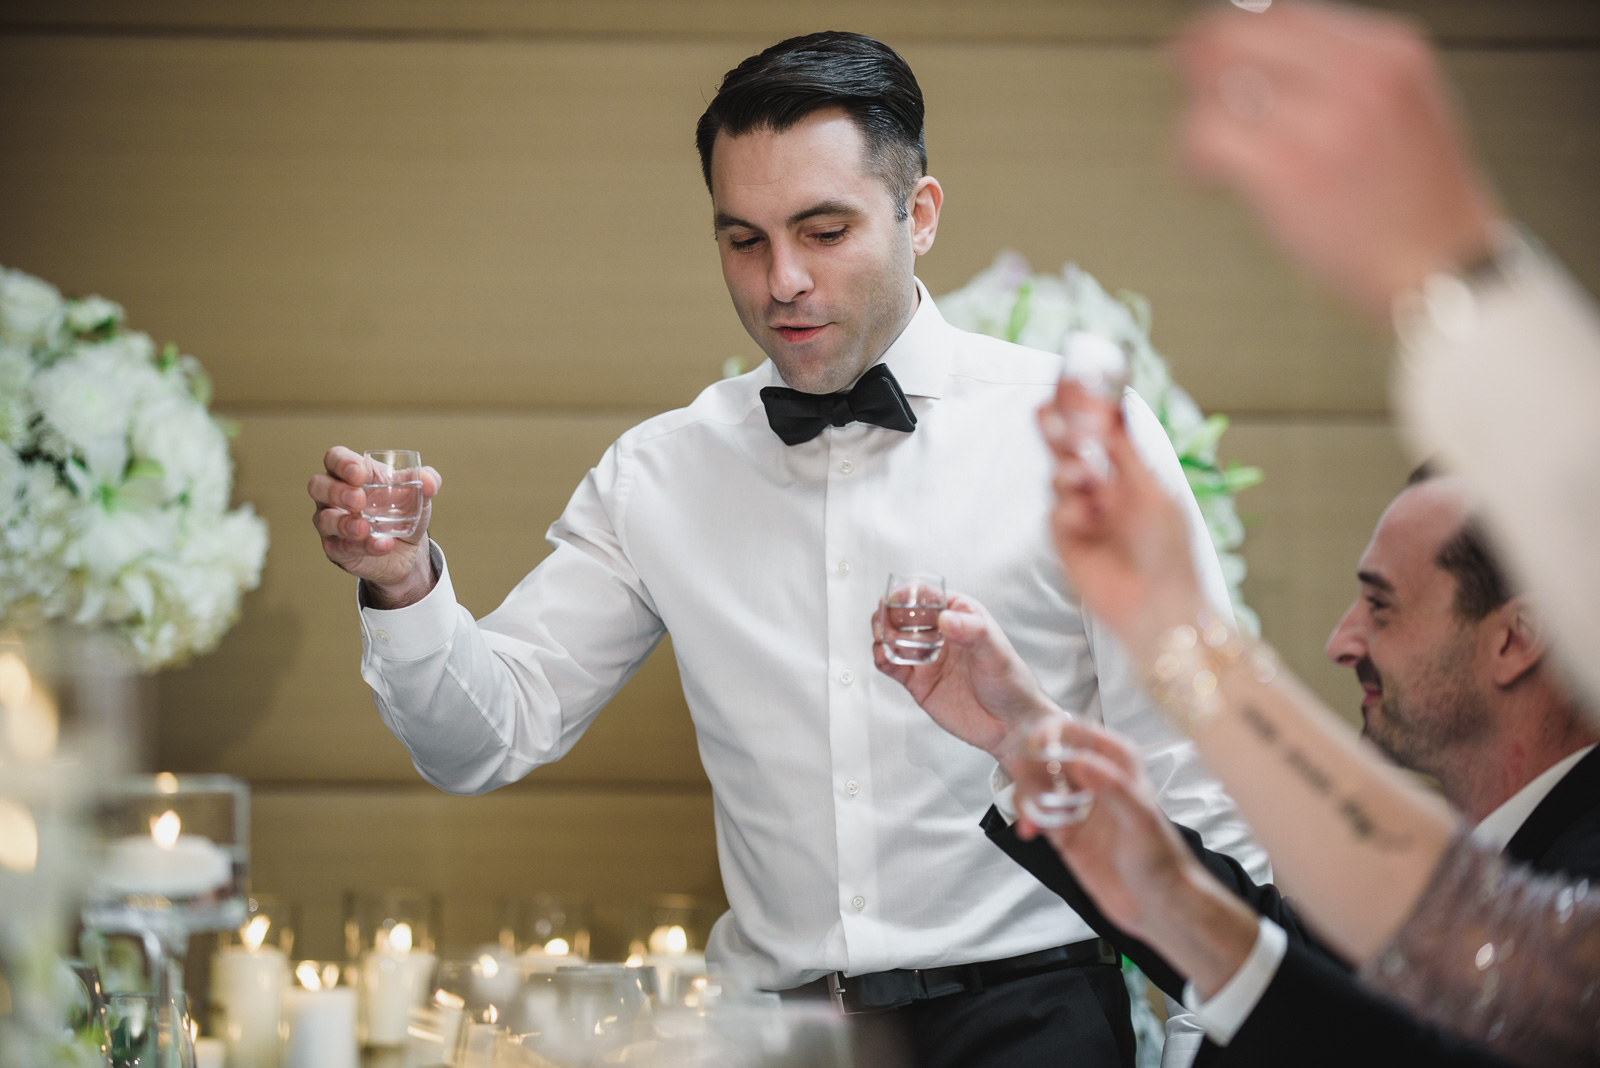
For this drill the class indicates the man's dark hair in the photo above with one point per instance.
(795, 78)
(1481, 584)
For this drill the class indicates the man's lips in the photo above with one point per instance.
(798, 333)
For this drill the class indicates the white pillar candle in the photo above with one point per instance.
(209, 1053)
(249, 984)
(322, 1029)
(392, 983)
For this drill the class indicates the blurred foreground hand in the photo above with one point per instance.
(1335, 125)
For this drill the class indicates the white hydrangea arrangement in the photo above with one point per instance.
(1041, 311)
(114, 481)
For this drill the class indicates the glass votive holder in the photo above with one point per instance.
(391, 935)
(547, 927)
(669, 933)
(176, 840)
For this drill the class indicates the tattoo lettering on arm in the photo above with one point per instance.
(1351, 809)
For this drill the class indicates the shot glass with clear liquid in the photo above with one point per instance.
(911, 606)
(1045, 791)
(393, 492)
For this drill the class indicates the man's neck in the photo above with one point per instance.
(1493, 771)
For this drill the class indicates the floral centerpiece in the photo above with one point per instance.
(114, 481)
(1042, 311)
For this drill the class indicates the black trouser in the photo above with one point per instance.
(1071, 1016)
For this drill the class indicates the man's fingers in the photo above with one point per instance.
(333, 492)
(345, 465)
(432, 482)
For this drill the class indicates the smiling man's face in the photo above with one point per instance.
(819, 269)
(1418, 661)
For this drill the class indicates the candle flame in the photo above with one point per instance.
(400, 938)
(254, 933)
(672, 941)
(446, 1000)
(330, 975)
(306, 972)
(19, 837)
(491, 1014)
(489, 966)
(166, 828)
(166, 783)
(557, 947)
(635, 960)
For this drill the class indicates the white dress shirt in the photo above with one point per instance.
(846, 820)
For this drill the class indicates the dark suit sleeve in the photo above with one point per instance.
(1041, 861)
(1315, 1014)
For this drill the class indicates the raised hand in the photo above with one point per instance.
(1335, 125)
(397, 571)
(979, 689)
(1129, 858)
(1121, 538)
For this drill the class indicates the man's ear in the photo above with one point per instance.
(927, 197)
(1519, 641)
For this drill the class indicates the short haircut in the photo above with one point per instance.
(1481, 584)
(796, 78)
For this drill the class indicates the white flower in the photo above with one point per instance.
(16, 368)
(30, 309)
(120, 513)
(91, 313)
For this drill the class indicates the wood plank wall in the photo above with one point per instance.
(477, 228)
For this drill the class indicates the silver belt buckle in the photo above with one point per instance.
(836, 992)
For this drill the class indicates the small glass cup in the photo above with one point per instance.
(911, 606)
(393, 491)
(1045, 792)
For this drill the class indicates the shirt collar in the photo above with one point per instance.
(1501, 825)
(920, 357)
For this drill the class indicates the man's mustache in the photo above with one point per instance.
(1368, 675)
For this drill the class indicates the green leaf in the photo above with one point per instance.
(1020, 311)
(1240, 477)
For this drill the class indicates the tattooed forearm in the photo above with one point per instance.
(1350, 808)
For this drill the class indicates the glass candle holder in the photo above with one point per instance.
(171, 859)
(320, 1014)
(547, 927)
(391, 935)
(669, 934)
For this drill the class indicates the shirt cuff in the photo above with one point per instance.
(1230, 1007)
(1004, 791)
(416, 630)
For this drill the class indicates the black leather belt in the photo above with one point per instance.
(881, 991)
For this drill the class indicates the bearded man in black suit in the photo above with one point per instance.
(1455, 684)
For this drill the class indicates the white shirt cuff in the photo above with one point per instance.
(416, 630)
(1227, 1010)
(1004, 791)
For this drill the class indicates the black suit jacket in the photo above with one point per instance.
(1315, 1012)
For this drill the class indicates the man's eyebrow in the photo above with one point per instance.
(723, 221)
(827, 207)
(1372, 578)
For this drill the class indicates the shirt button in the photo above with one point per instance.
(844, 567)
(845, 467)
(858, 902)
(382, 636)
(847, 676)
(852, 788)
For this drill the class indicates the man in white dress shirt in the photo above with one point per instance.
(758, 526)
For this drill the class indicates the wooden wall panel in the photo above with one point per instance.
(334, 223)
(1033, 20)
(283, 698)
(1326, 485)
(614, 848)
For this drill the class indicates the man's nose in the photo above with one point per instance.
(788, 277)
(1346, 644)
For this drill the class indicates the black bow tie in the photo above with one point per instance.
(796, 417)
